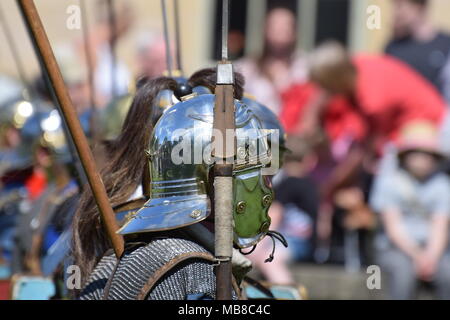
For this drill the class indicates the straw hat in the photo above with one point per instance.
(420, 136)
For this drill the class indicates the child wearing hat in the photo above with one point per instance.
(413, 202)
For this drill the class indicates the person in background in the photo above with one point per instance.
(293, 214)
(151, 55)
(41, 223)
(360, 109)
(75, 78)
(418, 43)
(446, 80)
(236, 44)
(18, 178)
(268, 75)
(352, 95)
(111, 75)
(412, 198)
(296, 202)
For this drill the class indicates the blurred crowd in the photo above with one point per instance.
(366, 181)
(365, 178)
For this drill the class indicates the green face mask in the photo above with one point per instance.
(252, 199)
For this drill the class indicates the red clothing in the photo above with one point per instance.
(36, 184)
(388, 92)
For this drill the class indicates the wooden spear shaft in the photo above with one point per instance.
(223, 190)
(224, 123)
(68, 112)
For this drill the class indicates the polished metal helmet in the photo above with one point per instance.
(270, 124)
(45, 128)
(164, 99)
(180, 167)
(16, 113)
(269, 121)
(13, 115)
(167, 98)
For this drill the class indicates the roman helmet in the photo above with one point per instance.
(16, 112)
(180, 167)
(167, 98)
(164, 99)
(270, 124)
(269, 120)
(13, 115)
(45, 128)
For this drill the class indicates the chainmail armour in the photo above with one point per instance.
(192, 277)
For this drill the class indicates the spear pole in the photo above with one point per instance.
(223, 123)
(167, 39)
(177, 36)
(68, 112)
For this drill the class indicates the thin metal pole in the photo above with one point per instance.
(225, 27)
(45, 52)
(167, 38)
(178, 36)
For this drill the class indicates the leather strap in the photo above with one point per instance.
(151, 282)
(109, 282)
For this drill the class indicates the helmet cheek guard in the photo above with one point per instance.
(252, 199)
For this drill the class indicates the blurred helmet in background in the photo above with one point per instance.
(112, 117)
(16, 113)
(45, 129)
(14, 155)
